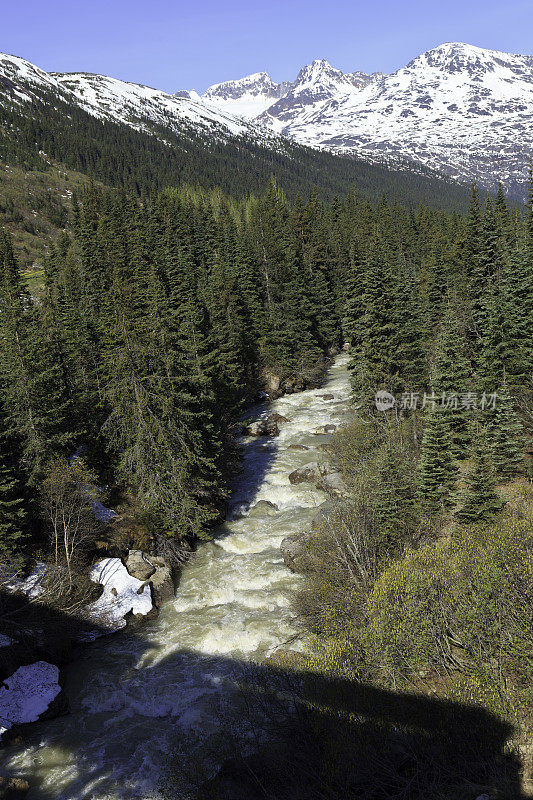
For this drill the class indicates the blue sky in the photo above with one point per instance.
(176, 45)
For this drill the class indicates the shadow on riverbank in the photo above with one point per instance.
(275, 734)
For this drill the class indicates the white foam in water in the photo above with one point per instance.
(131, 695)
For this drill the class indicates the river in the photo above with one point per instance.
(135, 694)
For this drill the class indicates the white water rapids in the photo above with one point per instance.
(133, 693)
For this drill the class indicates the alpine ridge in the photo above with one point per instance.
(459, 109)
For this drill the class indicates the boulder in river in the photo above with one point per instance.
(298, 447)
(139, 566)
(327, 396)
(325, 429)
(262, 427)
(331, 481)
(325, 511)
(309, 473)
(263, 508)
(161, 581)
(294, 549)
(277, 419)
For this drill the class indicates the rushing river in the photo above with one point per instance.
(133, 695)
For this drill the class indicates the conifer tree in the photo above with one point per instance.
(506, 436)
(480, 501)
(437, 471)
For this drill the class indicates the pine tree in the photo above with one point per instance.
(437, 471)
(480, 501)
(12, 506)
(505, 436)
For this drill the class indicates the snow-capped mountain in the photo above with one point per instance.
(138, 106)
(457, 108)
(257, 96)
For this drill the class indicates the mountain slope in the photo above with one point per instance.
(459, 109)
(131, 136)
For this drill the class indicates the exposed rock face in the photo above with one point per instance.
(277, 419)
(325, 511)
(155, 569)
(331, 481)
(162, 581)
(294, 549)
(309, 473)
(139, 566)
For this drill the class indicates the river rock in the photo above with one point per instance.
(263, 508)
(138, 565)
(161, 581)
(262, 427)
(347, 347)
(309, 473)
(294, 549)
(277, 419)
(325, 429)
(331, 481)
(13, 788)
(298, 447)
(325, 512)
(327, 396)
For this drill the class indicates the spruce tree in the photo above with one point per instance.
(437, 471)
(506, 436)
(480, 501)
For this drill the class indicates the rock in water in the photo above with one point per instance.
(263, 508)
(294, 549)
(298, 447)
(325, 429)
(262, 427)
(309, 473)
(277, 419)
(138, 565)
(331, 481)
(162, 581)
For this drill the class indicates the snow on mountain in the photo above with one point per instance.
(138, 106)
(457, 108)
(142, 107)
(247, 97)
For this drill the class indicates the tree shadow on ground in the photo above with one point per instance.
(261, 733)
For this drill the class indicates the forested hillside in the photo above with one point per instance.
(420, 580)
(123, 157)
(162, 318)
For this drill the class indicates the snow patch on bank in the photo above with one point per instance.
(122, 594)
(27, 694)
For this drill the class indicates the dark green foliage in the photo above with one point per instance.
(506, 437)
(480, 502)
(143, 162)
(437, 471)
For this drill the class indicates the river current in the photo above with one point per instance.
(134, 694)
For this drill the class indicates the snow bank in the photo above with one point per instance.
(122, 593)
(30, 586)
(27, 694)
